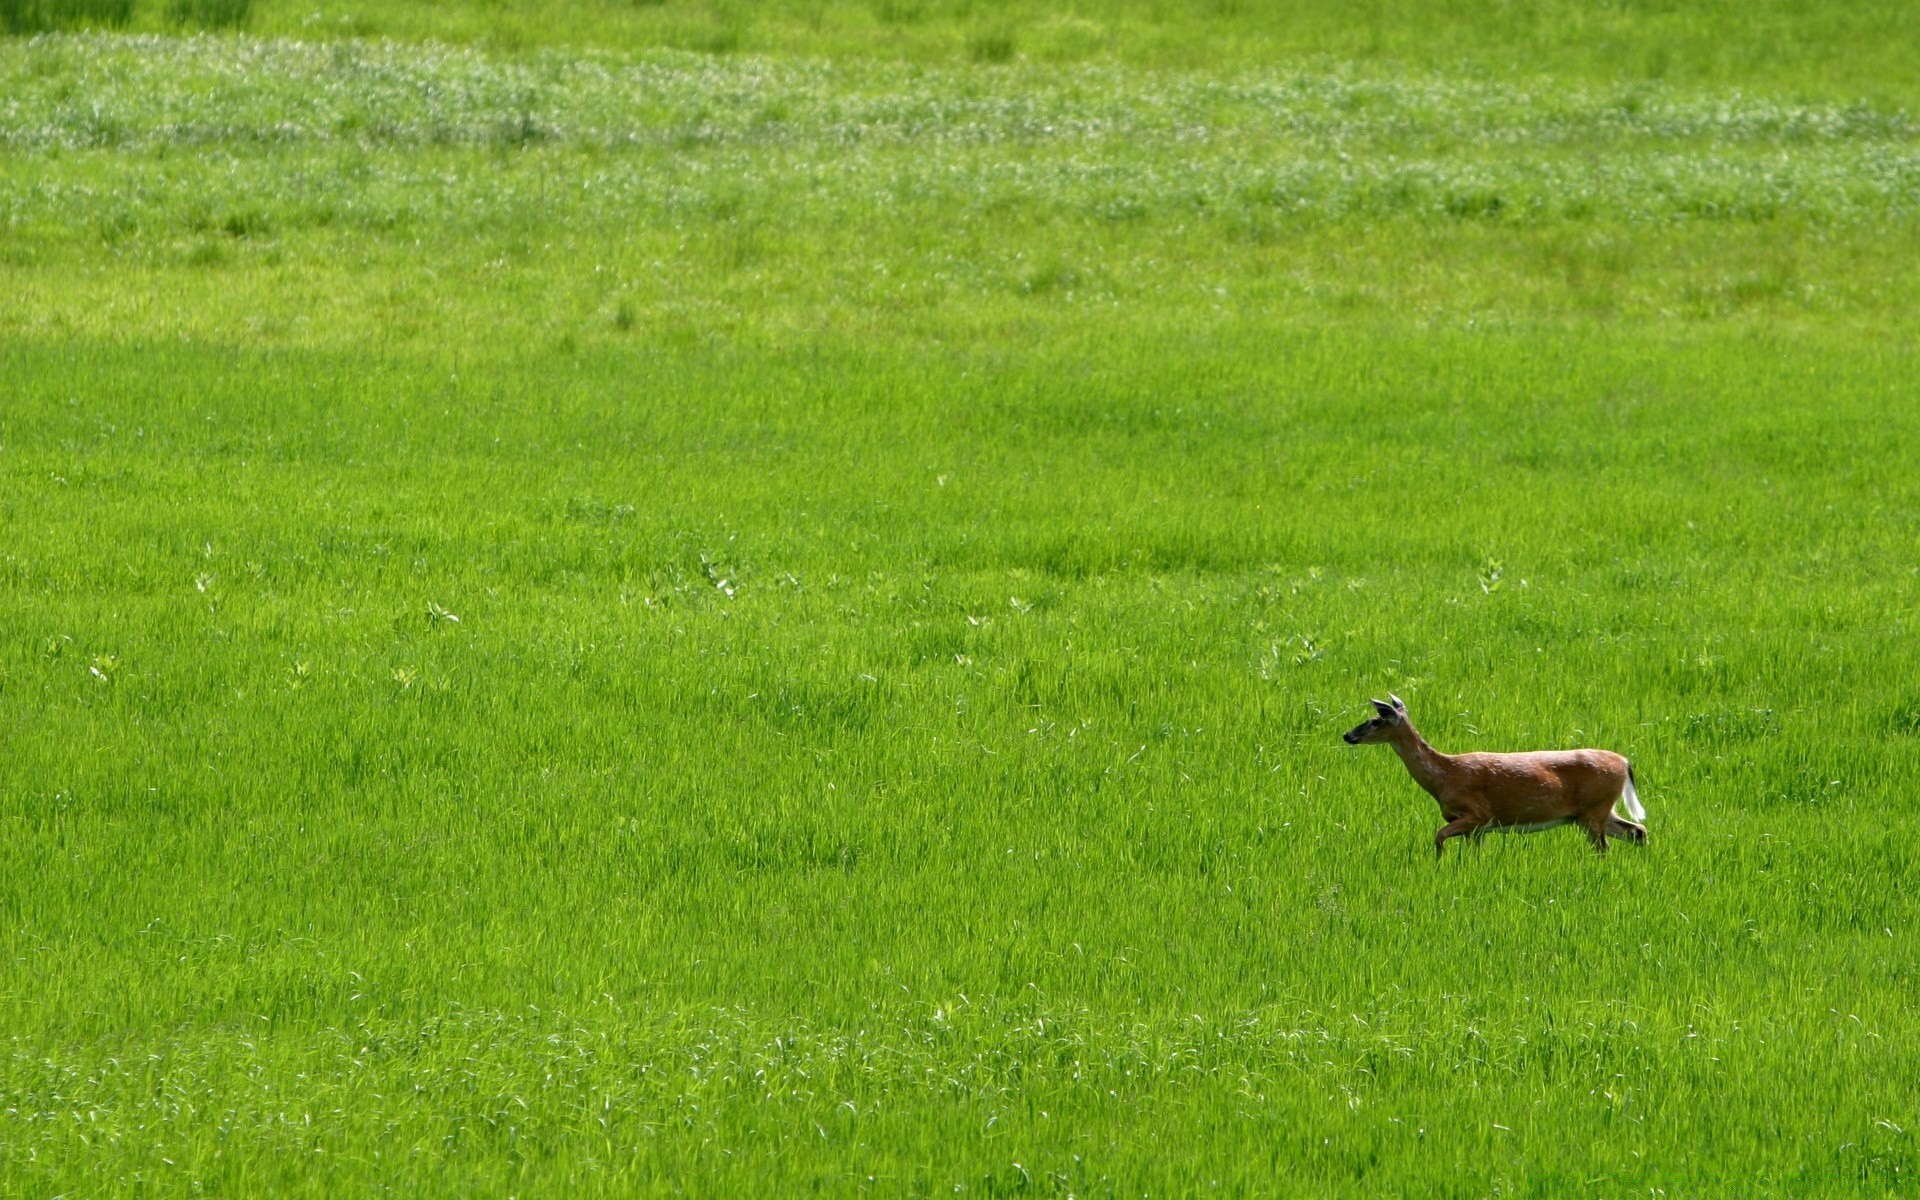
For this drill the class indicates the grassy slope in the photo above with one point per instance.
(903, 622)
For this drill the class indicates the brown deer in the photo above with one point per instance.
(1517, 793)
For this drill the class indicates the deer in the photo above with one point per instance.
(1512, 793)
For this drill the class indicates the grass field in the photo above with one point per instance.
(594, 608)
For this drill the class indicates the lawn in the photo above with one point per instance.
(717, 599)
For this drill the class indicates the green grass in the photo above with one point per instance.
(607, 619)
(1790, 47)
(312, 193)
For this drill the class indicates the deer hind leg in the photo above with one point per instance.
(1597, 830)
(1620, 827)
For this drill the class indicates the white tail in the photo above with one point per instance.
(1632, 799)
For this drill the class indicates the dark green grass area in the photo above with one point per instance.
(710, 768)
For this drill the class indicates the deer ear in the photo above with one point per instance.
(1399, 705)
(1385, 709)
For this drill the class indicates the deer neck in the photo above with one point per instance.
(1429, 768)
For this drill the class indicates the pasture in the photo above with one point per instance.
(594, 607)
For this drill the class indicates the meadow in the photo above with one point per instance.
(716, 599)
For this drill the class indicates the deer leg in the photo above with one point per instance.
(1597, 831)
(1452, 829)
(1620, 827)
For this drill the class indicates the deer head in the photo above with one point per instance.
(1380, 729)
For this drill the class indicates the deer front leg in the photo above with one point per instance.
(1458, 827)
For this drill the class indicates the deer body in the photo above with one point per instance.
(1541, 789)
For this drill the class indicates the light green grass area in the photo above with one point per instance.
(1796, 48)
(587, 613)
(293, 193)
